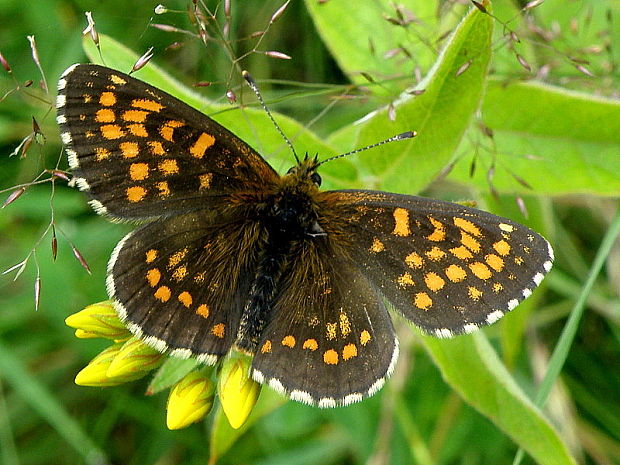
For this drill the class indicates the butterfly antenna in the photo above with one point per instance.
(401, 136)
(254, 87)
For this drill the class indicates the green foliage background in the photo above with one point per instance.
(555, 149)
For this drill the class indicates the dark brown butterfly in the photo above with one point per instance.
(233, 255)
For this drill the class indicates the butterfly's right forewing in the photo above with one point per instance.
(446, 267)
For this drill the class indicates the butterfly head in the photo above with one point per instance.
(305, 172)
(293, 208)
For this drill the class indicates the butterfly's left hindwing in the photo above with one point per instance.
(180, 283)
(141, 153)
(447, 268)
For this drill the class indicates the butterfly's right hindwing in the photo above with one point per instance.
(329, 339)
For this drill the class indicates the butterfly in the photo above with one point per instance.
(232, 255)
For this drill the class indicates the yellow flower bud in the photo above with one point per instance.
(98, 320)
(134, 360)
(94, 374)
(81, 334)
(237, 390)
(190, 400)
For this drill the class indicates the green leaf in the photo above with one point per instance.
(362, 39)
(471, 367)
(250, 124)
(223, 436)
(558, 141)
(440, 115)
(48, 405)
(170, 373)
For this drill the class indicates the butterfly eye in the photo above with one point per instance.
(316, 179)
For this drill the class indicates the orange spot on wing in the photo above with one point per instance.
(474, 293)
(117, 79)
(156, 148)
(423, 301)
(331, 330)
(167, 130)
(107, 99)
(185, 298)
(467, 226)
(288, 341)
(163, 293)
(480, 270)
(139, 171)
(147, 104)
(176, 257)
(455, 273)
(330, 357)
(203, 310)
(205, 180)
(164, 189)
(413, 260)
(168, 167)
(136, 193)
(461, 252)
(439, 234)
(502, 247)
(266, 348)
(151, 255)
(105, 115)
(401, 222)
(405, 280)
(469, 242)
(138, 130)
(345, 325)
(434, 282)
(201, 145)
(101, 153)
(129, 149)
(435, 254)
(179, 273)
(135, 116)
(218, 330)
(349, 351)
(153, 276)
(377, 246)
(310, 344)
(112, 131)
(365, 337)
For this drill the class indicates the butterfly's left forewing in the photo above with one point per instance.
(141, 153)
(446, 267)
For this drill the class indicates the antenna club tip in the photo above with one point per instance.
(407, 135)
(246, 75)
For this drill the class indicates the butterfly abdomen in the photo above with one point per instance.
(257, 308)
(286, 217)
